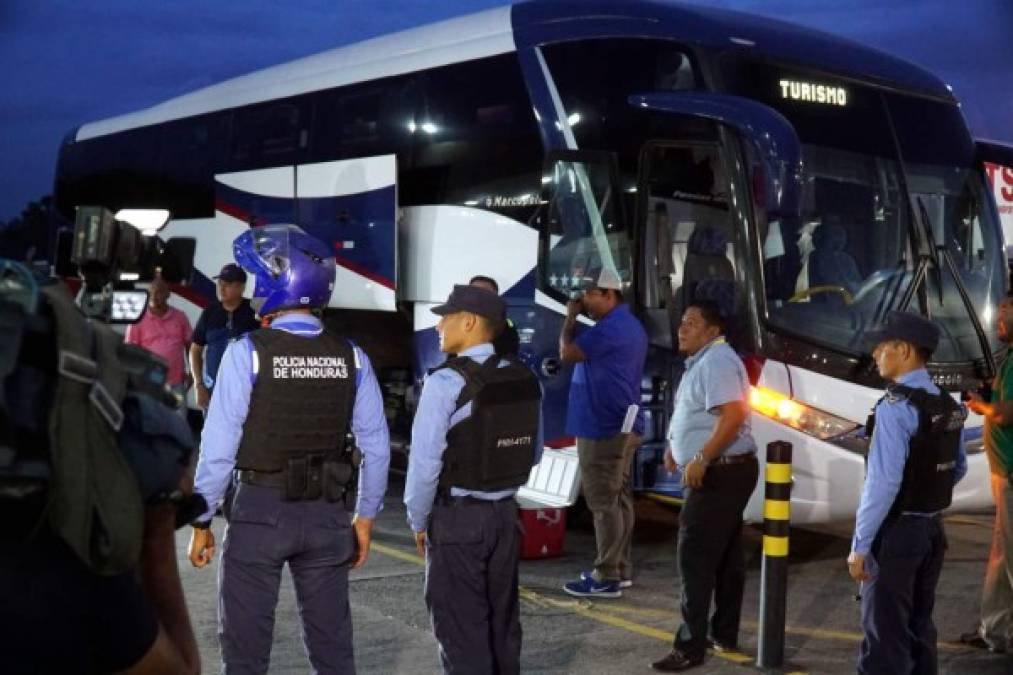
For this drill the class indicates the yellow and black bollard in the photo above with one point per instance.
(774, 574)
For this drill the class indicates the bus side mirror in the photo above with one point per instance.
(774, 139)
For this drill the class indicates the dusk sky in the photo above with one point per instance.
(66, 62)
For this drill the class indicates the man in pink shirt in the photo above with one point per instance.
(165, 331)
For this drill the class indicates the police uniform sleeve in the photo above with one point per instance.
(369, 424)
(223, 428)
(429, 440)
(896, 423)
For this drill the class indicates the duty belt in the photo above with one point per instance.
(272, 479)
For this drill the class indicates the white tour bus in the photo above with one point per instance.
(806, 184)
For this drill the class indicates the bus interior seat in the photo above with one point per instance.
(706, 260)
(831, 265)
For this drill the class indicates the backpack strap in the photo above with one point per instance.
(96, 505)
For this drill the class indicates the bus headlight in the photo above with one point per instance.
(784, 410)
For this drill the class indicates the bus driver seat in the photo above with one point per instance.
(831, 265)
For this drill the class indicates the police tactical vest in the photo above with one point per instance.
(302, 400)
(494, 447)
(927, 485)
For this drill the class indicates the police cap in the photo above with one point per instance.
(474, 299)
(909, 327)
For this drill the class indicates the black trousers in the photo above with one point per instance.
(899, 635)
(266, 532)
(711, 563)
(471, 586)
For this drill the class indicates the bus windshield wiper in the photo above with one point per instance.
(942, 254)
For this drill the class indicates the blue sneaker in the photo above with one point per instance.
(589, 587)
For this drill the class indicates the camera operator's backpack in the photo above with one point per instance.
(79, 449)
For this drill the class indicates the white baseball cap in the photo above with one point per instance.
(602, 277)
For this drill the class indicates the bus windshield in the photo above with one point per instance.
(889, 185)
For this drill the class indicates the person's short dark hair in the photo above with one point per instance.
(660, 207)
(711, 313)
(924, 353)
(494, 326)
(484, 279)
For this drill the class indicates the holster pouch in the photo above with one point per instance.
(338, 476)
(304, 477)
(314, 477)
(295, 473)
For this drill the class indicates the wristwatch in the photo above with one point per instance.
(703, 460)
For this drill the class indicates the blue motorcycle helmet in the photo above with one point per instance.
(292, 269)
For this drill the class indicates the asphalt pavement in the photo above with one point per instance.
(568, 635)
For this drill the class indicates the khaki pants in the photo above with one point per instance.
(997, 594)
(605, 477)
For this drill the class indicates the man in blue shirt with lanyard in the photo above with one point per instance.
(295, 412)
(477, 433)
(709, 436)
(604, 392)
(916, 457)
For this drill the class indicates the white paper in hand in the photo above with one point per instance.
(631, 417)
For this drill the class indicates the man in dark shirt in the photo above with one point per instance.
(507, 342)
(229, 318)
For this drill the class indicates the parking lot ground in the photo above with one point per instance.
(563, 634)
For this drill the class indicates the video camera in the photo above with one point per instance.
(112, 252)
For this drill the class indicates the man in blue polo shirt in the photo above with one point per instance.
(605, 389)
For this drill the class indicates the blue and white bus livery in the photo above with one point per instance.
(806, 183)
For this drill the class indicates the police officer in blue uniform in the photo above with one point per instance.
(476, 434)
(295, 409)
(916, 457)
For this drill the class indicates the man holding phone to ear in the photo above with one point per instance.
(609, 360)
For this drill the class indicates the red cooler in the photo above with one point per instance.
(552, 487)
(544, 529)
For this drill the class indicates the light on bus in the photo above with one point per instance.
(573, 119)
(780, 408)
(148, 221)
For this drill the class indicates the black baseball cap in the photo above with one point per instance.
(232, 272)
(474, 299)
(909, 327)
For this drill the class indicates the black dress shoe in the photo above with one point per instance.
(677, 660)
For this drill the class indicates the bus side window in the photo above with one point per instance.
(476, 141)
(193, 151)
(272, 134)
(365, 120)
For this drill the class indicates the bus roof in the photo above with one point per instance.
(529, 24)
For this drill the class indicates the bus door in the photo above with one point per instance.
(688, 234)
(581, 230)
